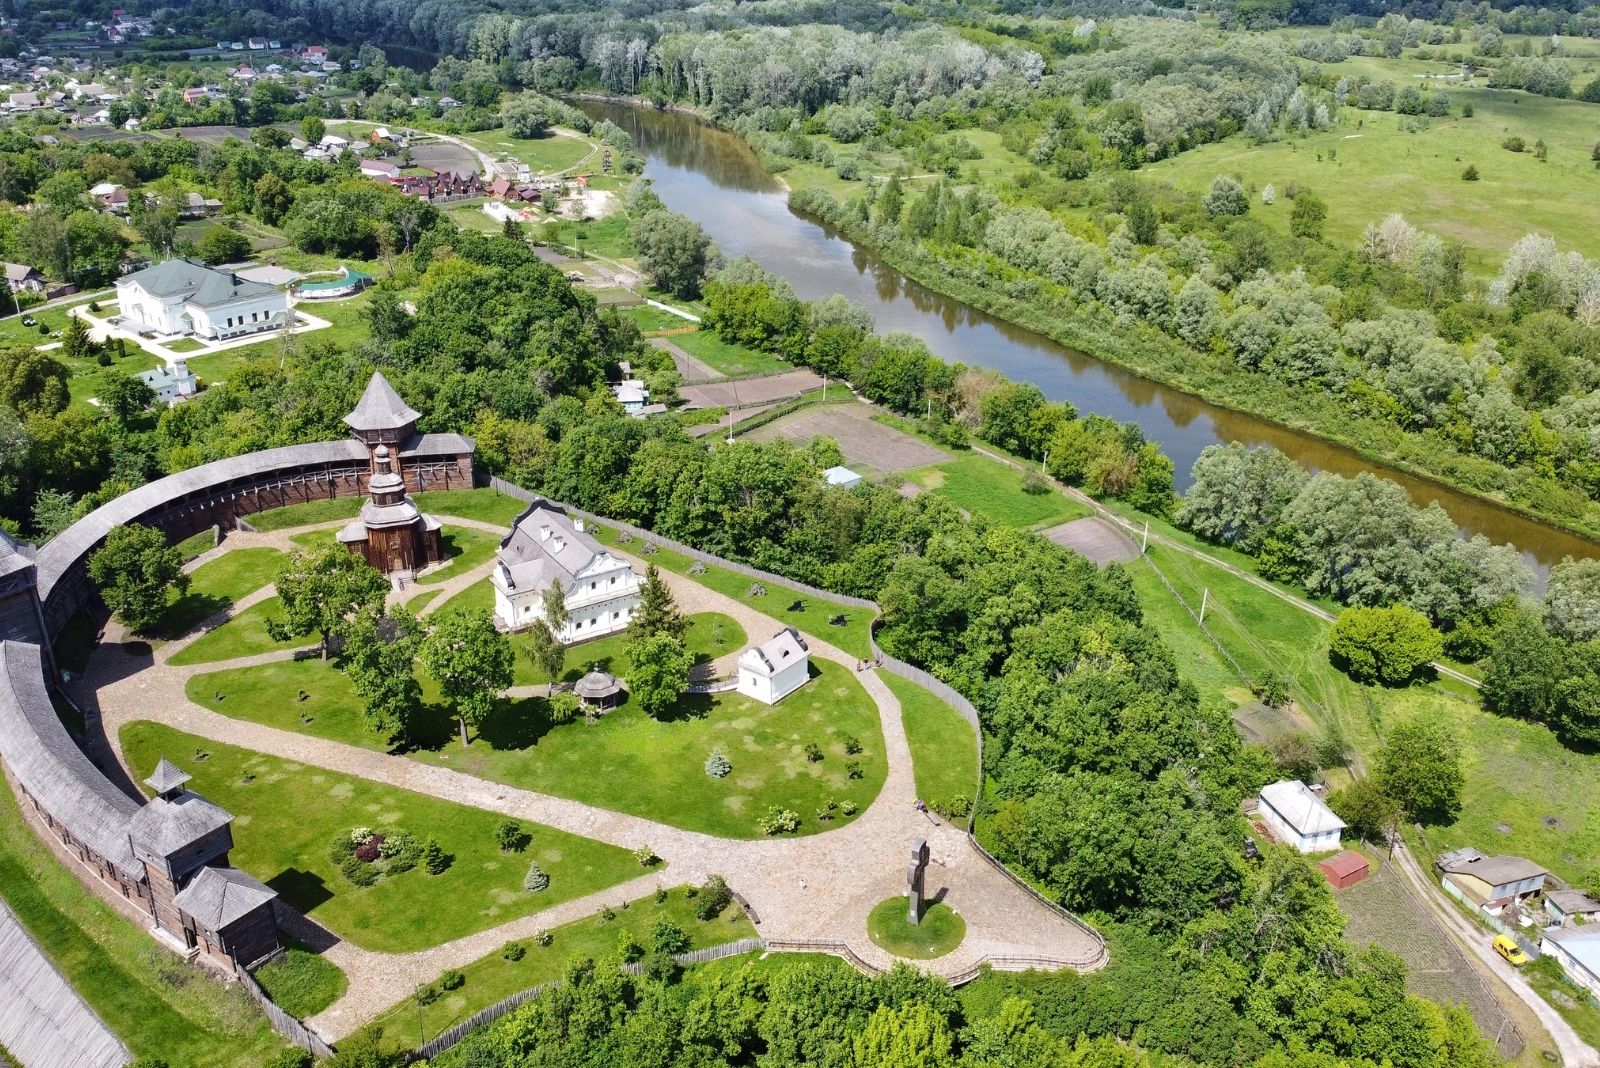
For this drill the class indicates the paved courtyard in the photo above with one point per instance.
(814, 889)
(104, 329)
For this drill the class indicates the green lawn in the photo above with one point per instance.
(493, 978)
(812, 617)
(158, 1006)
(1571, 1001)
(243, 635)
(977, 484)
(940, 931)
(710, 635)
(217, 584)
(301, 982)
(478, 597)
(184, 344)
(626, 761)
(484, 505)
(944, 750)
(287, 814)
(348, 327)
(1517, 773)
(731, 359)
(195, 544)
(1367, 167)
(650, 320)
(555, 152)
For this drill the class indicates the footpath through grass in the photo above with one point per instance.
(155, 1003)
(287, 815)
(626, 761)
(944, 750)
(495, 977)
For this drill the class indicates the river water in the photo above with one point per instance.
(712, 177)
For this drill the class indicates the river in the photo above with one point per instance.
(712, 177)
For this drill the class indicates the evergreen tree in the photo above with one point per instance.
(658, 611)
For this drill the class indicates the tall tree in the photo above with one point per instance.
(1420, 767)
(33, 382)
(321, 590)
(673, 250)
(134, 570)
(658, 672)
(378, 658)
(471, 661)
(658, 611)
(555, 607)
(1388, 645)
(549, 654)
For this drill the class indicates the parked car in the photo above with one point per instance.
(1507, 947)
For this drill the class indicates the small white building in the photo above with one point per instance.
(842, 477)
(1300, 818)
(601, 591)
(776, 668)
(171, 384)
(183, 297)
(632, 394)
(1578, 951)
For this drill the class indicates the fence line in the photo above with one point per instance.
(282, 1022)
(483, 1017)
(834, 946)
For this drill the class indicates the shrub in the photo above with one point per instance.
(434, 858)
(1470, 174)
(1513, 144)
(513, 951)
(293, 1057)
(394, 844)
(847, 807)
(779, 821)
(668, 937)
(813, 752)
(847, 168)
(452, 980)
(564, 708)
(646, 857)
(954, 807)
(368, 852)
(536, 879)
(426, 994)
(628, 947)
(607, 914)
(660, 967)
(852, 770)
(544, 938)
(756, 590)
(361, 835)
(1466, 111)
(1035, 484)
(826, 810)
(1273, 690)
(508, 835)
(94, 305)
(718, 766)
(661, 895)
(851, 744)
(1388, 645)
(713, 898)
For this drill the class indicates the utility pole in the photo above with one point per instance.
(1144, 546)
(1205, 596)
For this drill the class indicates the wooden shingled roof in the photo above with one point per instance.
(43, 1021)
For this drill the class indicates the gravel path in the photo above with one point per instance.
(816, 888)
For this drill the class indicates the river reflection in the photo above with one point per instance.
(715, 179)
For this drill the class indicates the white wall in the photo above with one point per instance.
(1575, 971)
(1318, 843)
(215, 322)
(770, 689)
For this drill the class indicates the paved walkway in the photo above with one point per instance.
(817, 888)
(103, 329)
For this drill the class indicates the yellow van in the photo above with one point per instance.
(1507, 947)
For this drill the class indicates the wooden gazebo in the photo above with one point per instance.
(597, 690)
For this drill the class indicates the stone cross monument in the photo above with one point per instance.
(914, 880)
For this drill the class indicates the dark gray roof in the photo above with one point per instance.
(44, 758)
(43, 1021)
(596, 686)
(1572, 902)
(381, 408)
(167, 776)
(196, 282)
(57, 556)
(166, 827)
(218, 897)
(14, 555)
(1496, 871)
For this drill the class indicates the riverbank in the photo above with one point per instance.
(1183, 399)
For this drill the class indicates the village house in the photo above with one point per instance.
(183, 297)
(444, 186)
(776, 668)
(545, 547)
(1577, 950)
(1298, 817)
(24, 279)
(1490, 883)
(1565, 907)
(842, 477)
(377, 168)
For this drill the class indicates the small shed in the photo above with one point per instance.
(1344, 869)
(597, 689)
(842, 477)
(1567, 905)
(778, 667)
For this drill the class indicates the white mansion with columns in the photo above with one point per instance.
(544, 547)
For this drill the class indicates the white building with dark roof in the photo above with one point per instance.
(184, 297)
(1298, 817)
(776, 668)
(170, 383)
(545, 547)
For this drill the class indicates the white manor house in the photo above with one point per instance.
(546, 547)
(181, 297)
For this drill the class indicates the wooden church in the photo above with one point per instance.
(391, 533)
